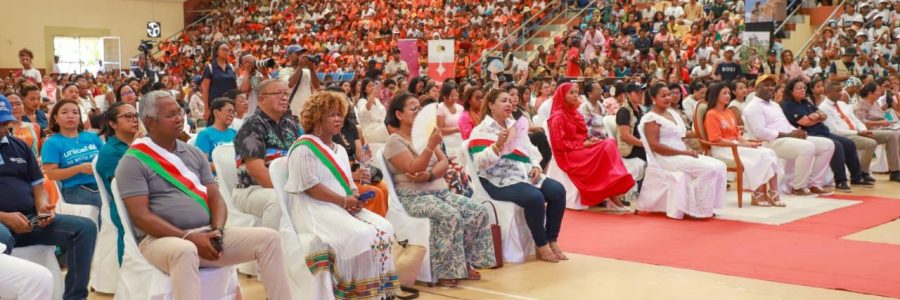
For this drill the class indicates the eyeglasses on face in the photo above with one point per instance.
(128, 116)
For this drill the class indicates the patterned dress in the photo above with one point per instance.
(460, 226)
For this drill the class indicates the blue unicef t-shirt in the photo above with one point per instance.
(211, 137)
(67, 152)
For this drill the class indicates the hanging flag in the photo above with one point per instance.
(440, 60)
(409, 53)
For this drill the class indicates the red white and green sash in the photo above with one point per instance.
(171, 168)
(479, 141)
(327, 159)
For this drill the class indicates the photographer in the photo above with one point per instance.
(251, 73)
(300, 74)
(144, 72)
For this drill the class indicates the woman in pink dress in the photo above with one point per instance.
(594, 165)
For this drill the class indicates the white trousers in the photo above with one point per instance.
(24, 280)
(260, 202)
(811, 158)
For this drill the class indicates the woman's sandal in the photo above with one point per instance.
(775, 199)
(473, 275)
(548, 255)
(559, 253)
(760, 199)
(447, 282)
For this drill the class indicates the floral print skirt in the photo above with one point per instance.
(460, 231)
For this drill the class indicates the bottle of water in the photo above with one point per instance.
(364, 164)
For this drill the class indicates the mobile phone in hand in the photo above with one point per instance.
(217, 243)
(366, 196)
(37, 220)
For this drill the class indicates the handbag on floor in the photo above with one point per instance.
(496, 237)
(408, 260)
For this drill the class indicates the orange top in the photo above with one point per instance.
(721, 125)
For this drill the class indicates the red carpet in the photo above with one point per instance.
(808, 252)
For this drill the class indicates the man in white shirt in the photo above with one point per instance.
(55, 65)
(396, 69)
(850, 15)
(674, 11)
(842, 121)
(703, 71)
(810, 155)
(31, 74)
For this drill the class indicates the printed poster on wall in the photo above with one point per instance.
(409, 53)
(440, 60)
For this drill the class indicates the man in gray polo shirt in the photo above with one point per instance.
(179, 232)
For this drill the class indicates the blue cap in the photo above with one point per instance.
(5, 110)
(294, 48)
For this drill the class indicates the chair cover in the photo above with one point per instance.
(226, 177)
(664, 186)
(138, 279)
(105, 266)
(406, 227)
(45, 256)
(297, 245)
(573, 197)
(514, 232)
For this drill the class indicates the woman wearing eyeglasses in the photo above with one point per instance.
(124, 93)
(220, 132)
(120, 129)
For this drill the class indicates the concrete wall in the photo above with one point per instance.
(33, 23)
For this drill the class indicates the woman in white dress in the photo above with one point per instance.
(325, 201)
(760, 164)
(663, 131)
(371, 113)
(449, 111)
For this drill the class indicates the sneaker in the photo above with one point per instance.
(862, 182)
(819, 191)
(895, 176)
(868, 177)
(843, 187)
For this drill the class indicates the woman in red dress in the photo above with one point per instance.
(594, 165)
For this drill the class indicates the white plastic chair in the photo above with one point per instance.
(514, 231)
(406, 227)
(138, 279)
(635, 166)
(226, 177)
(105, 266)
(573, 197)
(297, 245)
(45, 256)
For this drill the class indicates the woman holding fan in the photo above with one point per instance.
(503, 155)
(460, 227)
